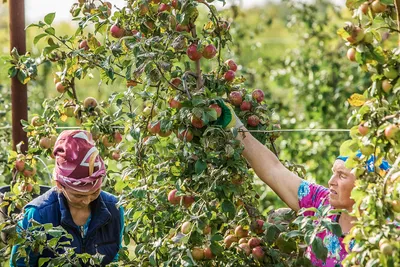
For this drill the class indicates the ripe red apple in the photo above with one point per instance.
(235, 98)
(363, 130)
(229, 75)
(253, 120)
(246, 105)
(390, 131)
(229, 240)
(116, 31)
(206, 230)
(45, 142)
(208, 253)
(175, 4)
(241, 232)
(243, 240)
(90, 102)
(172, 198)
(60, 87)
(186, 227)
(254, 242)
(154, 127)
(117, 137)
(196, 122)
(356, 35)
(192, 52)
(386, 86)
(257, 226)
(164, 133)
(186, 135)
(197, 253)
(163, 7)
(182, 28)
(258, 253)
(173, 103)
(20, 164)
(231, 64)
(245, 248)
(106, 141)
(26, 187)
(188, 201)
(378, 7)
(116, 155)
(351, 54)
(258, 95)
(364, 8)
(209, 51)
(217, 109)
(176, 82)
(29, 172)
(84, 45)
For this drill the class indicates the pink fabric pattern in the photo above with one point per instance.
(78, 164)
(312, 195)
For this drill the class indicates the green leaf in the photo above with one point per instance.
(49, 18)
(50, 31)
(348, 148)
(229, 208)
(200, 166)
(320, 251)
(152, 258)
(352, 4)
(38, 37)
(43, 261)
(216, 248)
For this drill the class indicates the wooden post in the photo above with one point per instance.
(19, 94)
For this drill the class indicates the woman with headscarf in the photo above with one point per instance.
(77, 203)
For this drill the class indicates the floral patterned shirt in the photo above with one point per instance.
(312, 195)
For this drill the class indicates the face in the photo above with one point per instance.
(340, 186)
(78, 199)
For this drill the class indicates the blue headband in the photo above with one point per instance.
(370, 164)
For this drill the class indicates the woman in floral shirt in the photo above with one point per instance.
(297, 193)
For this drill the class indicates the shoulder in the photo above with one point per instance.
(108, 198)
(47, 199)
(310, 194)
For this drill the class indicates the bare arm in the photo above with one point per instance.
(268, 167)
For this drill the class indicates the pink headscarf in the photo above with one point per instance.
(78, 164)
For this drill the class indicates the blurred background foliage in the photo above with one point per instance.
(290, 50)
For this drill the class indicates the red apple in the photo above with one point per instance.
(84, 45)
(253, 120)
(229, 240)
(164, 133)
(106, 141)
(20, 164)
(245, 248)
(258, 95)
(26, 187)
(257, 226)
(217, 109)
(60, 87)
(206, 230)
(175, 4)
(231, 64)
(45, 142)
(188, 201)
(182, 28)
(117, 137)
(196, 122)
(186, 135)
(254, 242)
(390, 131)
(235, 98)
(116, 155)
(163, 7)
(378, 7)
(173, 103)
(229, 75)
(90, 102)
(29, 172)
(154, 127)
(243, 240)
(363, 130)
(192, 52)
(208, 253)
(364, 8)
(258, 253)
(186, 227)
(197, 254)
(241, 232)
(131, 83)
(172, 198)
(209, 51)
(386, 86)
(176, 82)
(116, 31)
(351, 54)
(246, 105)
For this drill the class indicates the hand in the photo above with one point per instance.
(228, 118)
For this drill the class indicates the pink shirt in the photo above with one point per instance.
(317, 196)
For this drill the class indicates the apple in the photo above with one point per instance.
(116, 31)
(154, 127)
(231, 64)
(258, 95)
(116, 155)
(390, 131)
(173, 103)
(197, 122)
(254, 242)
(253, 120)
(390, 72)
(182, 28)
(363, 130)
(396, 206)
(20, 163)
(186, 227)
(245, 248)
(188, 201)
(386, 86)
(257, 226)
(364, 8)
(241, 232)
(186, 135)
(208, 253)
(209, 51)
(131, 83)
(175, 4)
(197, 253)
(258, 253)
(60, 87)
(45, 142)
(26, 187)
(235, 98)
(386, 249)
(29, 172)
(106, 141)
(163, 7)
(172, 198)
(229, 75)
(206, 230)
(246, 105)
(243, 240)
(117, 137)
(149, 110)
(164, 133)
(176, 82)
(84, 45)
(217, 108)
(192, 52)
(36, 121)
(356, 35)
(351, 54)
(90, 102)
(143, 10)
(378, 7)
(368, 37)
(229, 240)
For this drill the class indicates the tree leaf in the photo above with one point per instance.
(200, 166)
(320, 251)
(49, 18)
(229, 208)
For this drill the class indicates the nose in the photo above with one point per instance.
(332, 181)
